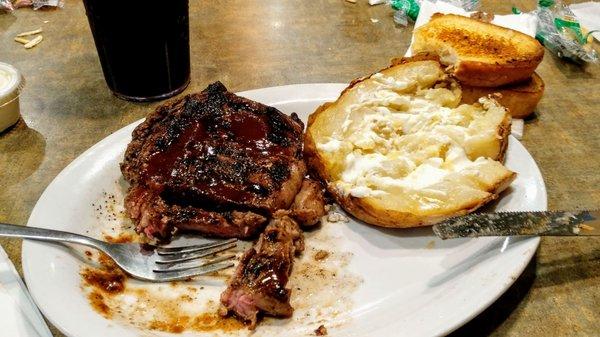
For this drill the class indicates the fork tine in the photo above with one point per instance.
(190, 249)
(185, 274)
(161, 268)
(170, 259)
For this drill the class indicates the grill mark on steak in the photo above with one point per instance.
(214, 151)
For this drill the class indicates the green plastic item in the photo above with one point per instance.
(410, 7)
(575, 27)
(560, 32)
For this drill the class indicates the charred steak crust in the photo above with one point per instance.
(212, 152)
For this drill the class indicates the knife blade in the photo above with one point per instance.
(545, 223)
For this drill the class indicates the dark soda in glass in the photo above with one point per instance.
(143, 46)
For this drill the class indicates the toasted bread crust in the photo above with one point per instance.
(493, 75)
(483, 54)
(368, 212)
(520, 99)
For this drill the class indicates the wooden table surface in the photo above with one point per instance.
(67, 107)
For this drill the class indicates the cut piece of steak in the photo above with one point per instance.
(259, 282)
(194, 163)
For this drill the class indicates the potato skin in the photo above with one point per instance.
(371, 213)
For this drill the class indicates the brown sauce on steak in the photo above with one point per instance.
(224, 149)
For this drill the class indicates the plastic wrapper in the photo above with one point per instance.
(6, 5)
(560, 32)
(37, 4)
(405, 10)
(9, 5)
(409, 9)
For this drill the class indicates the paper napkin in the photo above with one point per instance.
(19, 317)
(588, 14)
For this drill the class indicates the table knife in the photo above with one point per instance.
(546, 223)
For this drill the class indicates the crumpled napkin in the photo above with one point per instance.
(588, 14)
(525, 23)
(18, 315)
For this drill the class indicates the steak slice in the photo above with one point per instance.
(193, 162)
(258, 284)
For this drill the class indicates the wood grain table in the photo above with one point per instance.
(67, 107)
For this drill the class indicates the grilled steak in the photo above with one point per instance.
(222, 165)
(214, 163)
(258, 284)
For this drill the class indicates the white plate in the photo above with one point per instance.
(413, 284)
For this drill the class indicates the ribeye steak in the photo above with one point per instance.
(212, 162)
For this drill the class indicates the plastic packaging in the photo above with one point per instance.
(468, 5)
(11, 85)
(405, 10)
(6, 5)
(22, 3)
(37, 4)
(409, 9)
(9, 5)
(560, 32)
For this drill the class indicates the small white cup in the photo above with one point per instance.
(11, 83)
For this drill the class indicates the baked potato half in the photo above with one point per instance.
(397, 150)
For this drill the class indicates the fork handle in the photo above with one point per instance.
(43, 234)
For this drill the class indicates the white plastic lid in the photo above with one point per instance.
(11, 83)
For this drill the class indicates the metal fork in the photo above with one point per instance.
(160, 265)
